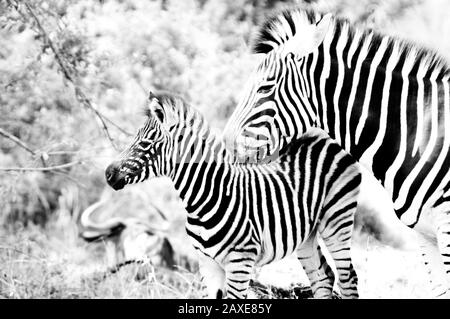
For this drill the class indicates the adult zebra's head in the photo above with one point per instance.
(147, 156)
(278, 94)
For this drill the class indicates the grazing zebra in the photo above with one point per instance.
(243, 215)
(384, 100)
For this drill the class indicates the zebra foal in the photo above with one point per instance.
(241, 215)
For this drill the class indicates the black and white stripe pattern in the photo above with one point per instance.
(241, 215)
(384, 100)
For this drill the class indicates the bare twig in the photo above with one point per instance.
(34, 153)
(17, 141)
(40, 169)
(94, 150)
(22, 144)
(43, 156)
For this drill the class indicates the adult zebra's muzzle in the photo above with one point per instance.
(114, 177)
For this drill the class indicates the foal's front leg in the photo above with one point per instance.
(239, 270)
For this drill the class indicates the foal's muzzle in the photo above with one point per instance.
(114, 177)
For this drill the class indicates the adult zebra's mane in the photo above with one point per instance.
(278, 29)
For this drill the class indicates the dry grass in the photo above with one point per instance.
(36, 264)
(56, 264)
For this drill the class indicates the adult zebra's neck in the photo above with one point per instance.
(202, 164)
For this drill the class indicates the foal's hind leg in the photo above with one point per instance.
(316, 267)
(337, 236)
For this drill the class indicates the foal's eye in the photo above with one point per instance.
(264, 89)
(144, 144)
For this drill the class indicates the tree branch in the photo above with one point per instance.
(40, 169)
(17, 141)
(43, 156)
(64, 69)
(79, 94)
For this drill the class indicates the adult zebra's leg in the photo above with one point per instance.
(319, 272)
(337, 236)
(212, 277)
(443, 238)
(433, 267)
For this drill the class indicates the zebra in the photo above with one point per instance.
(242, 216)
(385, 100)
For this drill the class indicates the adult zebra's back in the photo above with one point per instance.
(384, 100)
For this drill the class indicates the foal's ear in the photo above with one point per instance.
(163, 113)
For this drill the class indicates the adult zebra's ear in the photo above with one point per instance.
(164, 113)
(308, 37)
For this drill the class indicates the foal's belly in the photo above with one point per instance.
(273, 252)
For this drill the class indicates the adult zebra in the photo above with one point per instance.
(384, 100)
(242, 215)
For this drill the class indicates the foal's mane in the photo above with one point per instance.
(188, 115)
